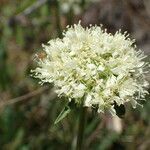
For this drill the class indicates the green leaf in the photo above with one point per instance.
(65, 111)
(120, 110)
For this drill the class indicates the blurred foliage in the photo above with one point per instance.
(29, 124)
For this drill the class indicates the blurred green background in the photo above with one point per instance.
(28, 111)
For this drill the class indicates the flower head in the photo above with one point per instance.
(90, 65)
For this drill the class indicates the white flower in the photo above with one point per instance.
(91, 65)
(79, 91)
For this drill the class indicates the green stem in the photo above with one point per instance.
(70, 17)
(58, 22)
(83, 3)
(82, 120)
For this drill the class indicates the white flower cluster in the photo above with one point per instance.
(75, 5)
(91, 65)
